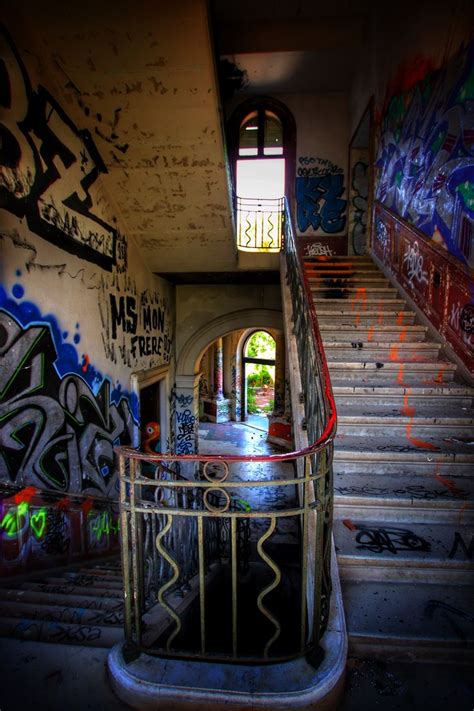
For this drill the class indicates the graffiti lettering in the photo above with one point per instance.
(360, 188)
(381, 235)
(124, 314)
(320, 167)
(54, 430)
(458, 541)
(414, 264)
(319, 203)
(391, 540)
(49, 167)
(318, 249)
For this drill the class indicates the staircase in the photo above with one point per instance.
(403, 458)
(82, 607)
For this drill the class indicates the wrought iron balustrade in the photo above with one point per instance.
(259, 224)
(234, 562)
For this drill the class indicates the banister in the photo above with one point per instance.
(329, 428)
(183, 535)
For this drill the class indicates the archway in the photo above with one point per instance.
(259, 358)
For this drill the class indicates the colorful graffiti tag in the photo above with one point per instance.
(59, 419)
(319, 203)
(425, 158)
(36, 526)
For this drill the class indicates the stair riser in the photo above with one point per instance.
(395, 515)
(400, 430)
(421, 468)
(350, 307)
(349, 294)
(371, 374)
(68, 615)
(83, 635)
(354, 336)
(320, 280)
(398, 649)
(346, 402)
(401, 573)
(365, 321)
(398, 353)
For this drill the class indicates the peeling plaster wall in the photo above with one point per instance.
(79, 312)
(141, 80)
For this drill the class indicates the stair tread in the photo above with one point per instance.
(441, 389)
(436, 488)
(420, 610)
(396, 447)
(394, 365)
(394, 543)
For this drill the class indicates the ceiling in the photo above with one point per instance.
(141, 78)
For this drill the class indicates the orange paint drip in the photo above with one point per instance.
(453, 488)
(421, 443)
(380, 318)
(403, 334)
(348, 524)
(400, 374)
(400, 317)
(407, 410)
(394, 353)
(439, 377)
(370, 334)
(85, 363)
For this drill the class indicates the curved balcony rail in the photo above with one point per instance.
(259, 224)
(232, 562)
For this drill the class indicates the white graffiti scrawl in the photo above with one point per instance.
(414, 264)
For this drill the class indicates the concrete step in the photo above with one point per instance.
(358, 350)
(379, 548)
(71, 590)
(361, 333)
(374, 395)
(85, 581)
(409, 372)
(346, 279)
(60, 633)
(408, 491)
(363, 422)
(388, 447)
(347, 292)
(90, 601)
(351, 306)
(426, 622)
(363, 319)
(57, 613)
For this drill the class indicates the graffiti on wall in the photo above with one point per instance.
(59, 417)
(425, 158)
(319, 205)
(359, 198)
(414, 264)
(135, 324)
(48, 166)
(35, 526)
(310, 167)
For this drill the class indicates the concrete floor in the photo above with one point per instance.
(36, 676)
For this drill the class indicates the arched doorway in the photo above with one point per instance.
(258, 359)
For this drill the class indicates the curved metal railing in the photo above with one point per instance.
(232, 560)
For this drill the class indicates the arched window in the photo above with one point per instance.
(261, 142)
